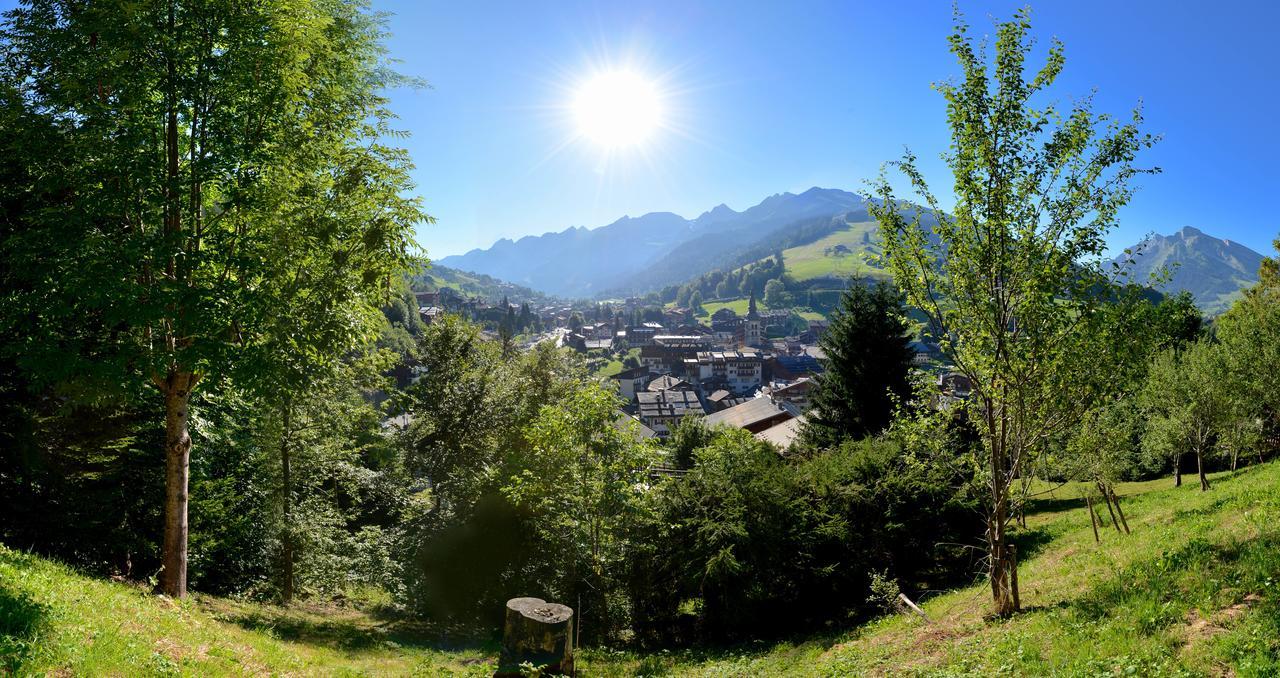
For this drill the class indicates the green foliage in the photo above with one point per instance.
(868, 361)
(531, 485)
(1188, 401)
(747, 545)
(775, 294)
(1010, 279)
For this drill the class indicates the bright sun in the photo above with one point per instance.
(618, 108)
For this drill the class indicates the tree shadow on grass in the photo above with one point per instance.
(1031, 541)
(22, 621)
(1053, 505)
(352, 631)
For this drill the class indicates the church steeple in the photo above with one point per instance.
(752, 326)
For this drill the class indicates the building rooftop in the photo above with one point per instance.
(782, 435)
(747, 414)
(625, 422)
(669, 383)
(633, 373)
(669, 403)
(723, 356)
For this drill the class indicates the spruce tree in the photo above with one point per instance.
(867, 364)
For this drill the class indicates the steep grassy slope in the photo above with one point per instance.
(838, 255)
(1194, 590)
(56, 621)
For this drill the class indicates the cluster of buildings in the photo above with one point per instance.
(728, 374)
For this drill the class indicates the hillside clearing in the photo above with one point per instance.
(838, 255)
(1192, 591)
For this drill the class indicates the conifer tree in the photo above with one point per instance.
(867, 365)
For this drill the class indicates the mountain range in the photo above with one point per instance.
(1212, 269)
(639, 254)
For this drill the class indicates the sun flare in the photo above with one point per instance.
(617, 109)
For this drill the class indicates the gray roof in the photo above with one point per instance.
(667, 383)
(782, 435)
(668, 403)
(633, 373)
(741, 416)
(626, 422)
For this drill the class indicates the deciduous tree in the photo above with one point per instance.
(221, 160)
(1009, 278)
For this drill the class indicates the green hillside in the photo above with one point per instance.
(437, 277)
(838, 255)
(1194, 590)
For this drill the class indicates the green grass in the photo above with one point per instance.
(739, 306)
(1194, 590)
(817, 260)
(614, 365)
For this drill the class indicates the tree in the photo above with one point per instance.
(1187, 404)
(581, 480)
(199, 161)
(775, 294)
(1009, 280)
(866, 369)
(1177, 321)
(695, 302)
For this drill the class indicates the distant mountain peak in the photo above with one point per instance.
(644, 252)
(1212, 269)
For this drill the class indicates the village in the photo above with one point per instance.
(749, 371)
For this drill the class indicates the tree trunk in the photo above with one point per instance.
(1093, 519)
(1115, 499)
(1003, 581)
(539, 633)
(177, 449)
(286, 505)
(1204, 479)
(1107, 498)
(1177, 470)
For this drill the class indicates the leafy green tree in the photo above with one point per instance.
(199, 162)
(1248, 332)
(775, 294)
(1009, 278)
(866, 369)
(688, 436)
(1269, 271)
(1177, 321)
(695, 302)
(1187, 405)
(581, 483)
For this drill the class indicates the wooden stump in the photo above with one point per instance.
(539, 633)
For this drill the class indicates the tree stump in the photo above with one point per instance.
(539, 633)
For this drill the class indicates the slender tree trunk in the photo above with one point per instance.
(286, 506)
(1093, 519)
(1177, 470)
(1107, 498)
(1115, 499)
(177, 448)
(177, 384)
(1204, 479)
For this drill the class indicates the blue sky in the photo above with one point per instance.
(781, 96)
(771, 97)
